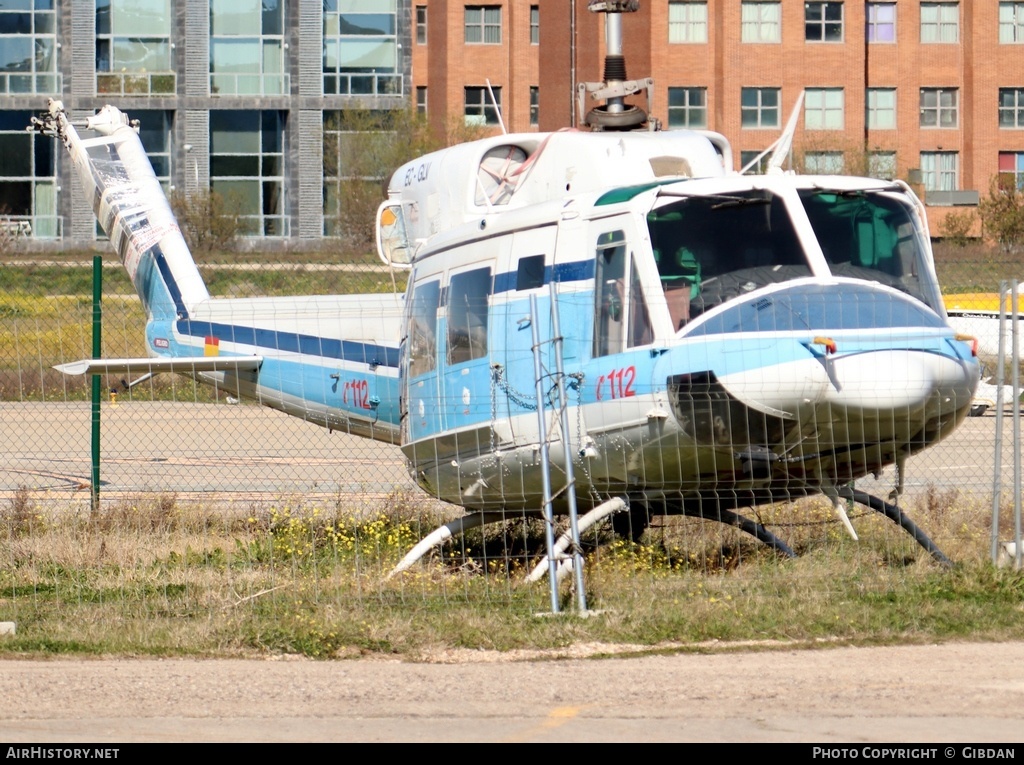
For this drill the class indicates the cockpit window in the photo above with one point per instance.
(869, 235)
(712, 248)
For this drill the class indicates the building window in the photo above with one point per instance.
(28, 183)
(247, 48)
(534, 105)
(247, 168)
(421, 99)
(756, 160)
(823, 109)
(940, 170)
(881, 22)
(133, 47)
(483, 24)
(939, 107)
(882, 164)
(687, 22)
(421, 25)
(480, 109)
(761, 22)
(688, 107)
(1011, 170)
(28, 44)
(1011, 107)
(361, 49)
(823, 162)
(534, 25)
(823, 22)
(881, 108)
(759, 107)
(1011, 22)
(155, 134)
(940, 22)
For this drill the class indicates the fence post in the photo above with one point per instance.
(97, 352)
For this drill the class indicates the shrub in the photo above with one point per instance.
(1002, 215)
(208, 221)
(956, 227)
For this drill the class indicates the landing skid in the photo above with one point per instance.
(893, 513)
(633, 523)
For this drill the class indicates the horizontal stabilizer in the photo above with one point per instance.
(153, 365)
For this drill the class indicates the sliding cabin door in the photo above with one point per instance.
(464, 361)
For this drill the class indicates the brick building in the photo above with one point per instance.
(931, 92)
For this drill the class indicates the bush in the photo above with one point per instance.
(1002, 215)
(956, 227)
(209, 222)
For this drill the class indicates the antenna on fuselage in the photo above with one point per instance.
(497, 107)
(615, 114)
(781, 146)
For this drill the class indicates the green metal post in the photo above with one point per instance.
(97, 352)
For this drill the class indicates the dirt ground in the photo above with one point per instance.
(954, 693)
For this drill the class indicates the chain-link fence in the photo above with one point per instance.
(190, 475)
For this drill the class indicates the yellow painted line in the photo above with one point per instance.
(556, 718)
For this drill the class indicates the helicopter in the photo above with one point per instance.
(724, 340)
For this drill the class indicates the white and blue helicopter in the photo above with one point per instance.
(728, 340)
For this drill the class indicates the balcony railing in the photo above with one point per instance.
(14, 83)
(136, 83)
(31, 226)
(250, 84)
(358, 84)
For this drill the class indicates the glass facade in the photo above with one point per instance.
(247, 168)
(361, 50)
(28, 47)
(28, 183)
(133, 47)
(247, 48)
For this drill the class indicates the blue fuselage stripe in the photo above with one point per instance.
(560, 273)
(293, 342)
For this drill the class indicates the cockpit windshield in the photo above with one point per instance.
(871, 235)
(711, 248)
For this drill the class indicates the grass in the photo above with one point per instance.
(153, 575)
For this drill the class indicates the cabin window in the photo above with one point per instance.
(609, 290)
(467, 315)
(530, 273)
(620, 315)
(640, 331)
(422, 337)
